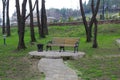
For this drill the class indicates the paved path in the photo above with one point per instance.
(52, 65)
(55, 69)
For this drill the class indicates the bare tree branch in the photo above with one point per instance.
(32, 10)
(95, 11)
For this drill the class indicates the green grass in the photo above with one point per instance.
(100, 68)
(98, 64)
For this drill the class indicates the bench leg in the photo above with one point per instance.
(75, 49)
(47, 47)
(62, 48)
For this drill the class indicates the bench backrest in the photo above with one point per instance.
(58, 40)
(71, 40)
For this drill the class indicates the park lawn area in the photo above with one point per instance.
(102, 63)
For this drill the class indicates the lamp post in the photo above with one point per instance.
(4, 39)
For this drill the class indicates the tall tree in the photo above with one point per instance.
(44, 19)
(31, 23)
(38, 19)
(94, 12)
(3, 23)
(88, 28)
(21, 23)
(8, 19)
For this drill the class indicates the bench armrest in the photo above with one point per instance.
(77, 44)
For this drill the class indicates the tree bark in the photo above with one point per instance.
(95, 44)
(8, 20)
(88, 28)
(3, 24)
(88, 37)
(38, 19)
(44, 18)
(31, 23)
(94, 12)
(21, 23)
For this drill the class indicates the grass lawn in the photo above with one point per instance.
(102, 63)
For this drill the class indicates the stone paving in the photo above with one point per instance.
(55, 69)
(52, 65)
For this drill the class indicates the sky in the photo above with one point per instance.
(74, 4)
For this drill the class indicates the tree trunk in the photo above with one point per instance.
(21, 23)
(88, 28)
(94, 12)
(8, 20)
(92, 20)
(3, 24)
(88, 37)
(95, 44)
(31, 23)
(38, 19)
(45, 18)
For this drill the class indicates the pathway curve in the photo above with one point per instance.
(55, 69)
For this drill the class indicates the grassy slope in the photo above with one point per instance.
(96, 65)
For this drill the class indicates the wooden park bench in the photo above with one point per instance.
(63, 42)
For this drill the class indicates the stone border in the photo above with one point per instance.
(56, 54)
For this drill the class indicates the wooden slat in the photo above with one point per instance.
(57, 41)
(71, 41)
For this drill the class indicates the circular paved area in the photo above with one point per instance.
(56, 54)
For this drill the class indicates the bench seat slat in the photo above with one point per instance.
(55, 44)
(70, 45)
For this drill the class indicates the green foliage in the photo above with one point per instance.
(107, 15)
(70, 19)
(110, 5)
(97, 64)
(116, 16)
